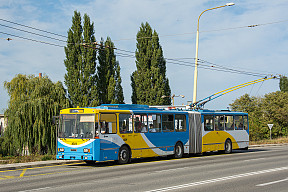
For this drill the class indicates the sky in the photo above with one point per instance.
(225, 41)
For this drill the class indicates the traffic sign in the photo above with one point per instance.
(270, 126)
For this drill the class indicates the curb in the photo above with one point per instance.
(267, 145)
(15, 166)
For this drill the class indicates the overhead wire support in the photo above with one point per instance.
(200, 104)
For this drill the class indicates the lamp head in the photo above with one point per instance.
(230, 4)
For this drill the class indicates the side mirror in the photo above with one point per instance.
(55, 120)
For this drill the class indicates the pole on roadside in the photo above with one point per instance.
(270, 127)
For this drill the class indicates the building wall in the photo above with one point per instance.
(3, 124)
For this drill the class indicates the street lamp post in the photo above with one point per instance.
(172, 97)
(196, 55)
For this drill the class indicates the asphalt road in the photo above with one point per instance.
(259, 169)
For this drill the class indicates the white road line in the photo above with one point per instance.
(167, 170)
(273, 182)
(255, 159)
(39, 189)
(218, 179)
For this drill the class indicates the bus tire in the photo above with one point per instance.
(178, 150)
(124, 155)
(228, 146)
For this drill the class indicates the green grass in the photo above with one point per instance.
(23, 159)
(268, 141)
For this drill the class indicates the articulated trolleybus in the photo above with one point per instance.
(123, 131)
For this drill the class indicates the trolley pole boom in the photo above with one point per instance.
(202, 102)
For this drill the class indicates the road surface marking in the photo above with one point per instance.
(39, 189)
(255, 159)
(23, 172)
(273, 182)
(218, 179)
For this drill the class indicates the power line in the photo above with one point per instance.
(29, 39)
(33, 28)
(215, 30)
(32, 33)
(203, 65)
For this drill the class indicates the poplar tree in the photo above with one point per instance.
(283, 84)
(33, 103)
(149, 82)
(108, 75)
(80, 63)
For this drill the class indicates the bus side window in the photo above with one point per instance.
(238, 122)
(219, 122)
(229, 122)
(245, 122)
(154, 121)
(140, 123)
(180, 123)
(108, 123)
(125, 123)
(208, 123)
(168, 122)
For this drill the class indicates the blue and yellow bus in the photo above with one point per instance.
(125, 131)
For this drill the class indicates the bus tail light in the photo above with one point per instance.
(61, 149)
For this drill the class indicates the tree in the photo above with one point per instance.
(149, 82)
(270, 109)
(32, 104)
(275, 111)
(283, 84)
(80, 63)
(108, 75)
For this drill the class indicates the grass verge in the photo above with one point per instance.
(24, 159)
(268, 141)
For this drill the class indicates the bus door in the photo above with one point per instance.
(126, 128)
(139, 146)
(108, 143)
(220, 135)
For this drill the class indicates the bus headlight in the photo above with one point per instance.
(86, 150)
(61, 149)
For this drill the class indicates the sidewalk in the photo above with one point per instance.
(35, 164)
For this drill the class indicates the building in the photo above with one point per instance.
(3, 124)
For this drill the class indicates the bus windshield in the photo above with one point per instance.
(77, 126)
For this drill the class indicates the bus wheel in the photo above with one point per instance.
(124, 155)
(228, 146)
(178, 150)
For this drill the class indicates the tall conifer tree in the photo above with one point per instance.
(149, 82)
(108, 74)
(80, 63)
